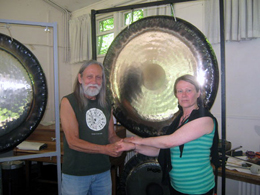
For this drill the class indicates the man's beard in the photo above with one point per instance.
(90, 91)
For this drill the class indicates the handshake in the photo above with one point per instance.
(145, 146)
(128, 144)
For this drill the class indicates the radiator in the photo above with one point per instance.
(129, 155)
(248, 189)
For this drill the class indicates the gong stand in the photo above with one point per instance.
(57, 153)
(222, 52)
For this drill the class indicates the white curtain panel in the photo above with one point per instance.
(241, 17)
(80, 44)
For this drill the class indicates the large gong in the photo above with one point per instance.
(142, 175)
(23, 93)
(143, 63)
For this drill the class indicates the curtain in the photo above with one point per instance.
(241, 17)
(80, 36)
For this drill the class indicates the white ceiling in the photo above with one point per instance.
(72, 5)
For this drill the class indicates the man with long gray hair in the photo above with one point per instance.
(87, 121)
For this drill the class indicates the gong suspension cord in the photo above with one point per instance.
(7, 26)
(173, 13)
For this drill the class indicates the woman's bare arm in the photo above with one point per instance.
(188, 132)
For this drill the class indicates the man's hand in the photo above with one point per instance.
(125, 146)
(112, 150)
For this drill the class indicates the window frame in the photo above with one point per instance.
(118, 24)
(107, 32)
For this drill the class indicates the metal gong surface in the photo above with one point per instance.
(144, 61)
(23, 93)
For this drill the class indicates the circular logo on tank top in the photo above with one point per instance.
(95, 119)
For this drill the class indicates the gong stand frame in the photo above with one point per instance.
(57, 153)
(222, 56)
(223, 93)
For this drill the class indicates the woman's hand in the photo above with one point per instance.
(134, 140)
(124, 146)
(128, 144)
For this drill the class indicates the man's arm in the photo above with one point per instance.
(70, 127)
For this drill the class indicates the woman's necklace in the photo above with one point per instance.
(184, 118)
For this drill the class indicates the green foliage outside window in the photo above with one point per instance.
(107, 24)
(133, 16)
(104, 42)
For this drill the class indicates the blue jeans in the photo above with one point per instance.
(99, 184)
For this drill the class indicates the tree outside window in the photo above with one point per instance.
(105, 35)
(131, 17)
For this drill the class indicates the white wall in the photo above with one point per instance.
(242, 94)
(242, 65)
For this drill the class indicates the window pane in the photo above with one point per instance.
(138, 14)
(128, 18)
(107, 24)
(104, 42)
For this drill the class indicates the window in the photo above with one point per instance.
(131, 17)
(105, 35)
(106, 28)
